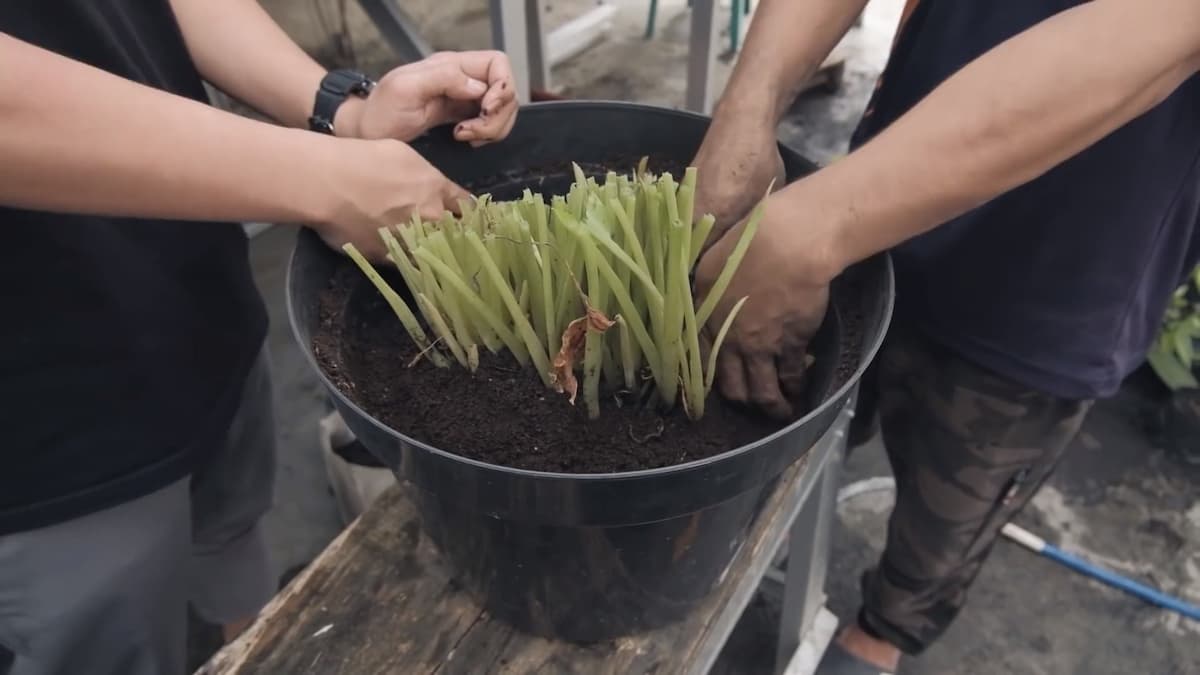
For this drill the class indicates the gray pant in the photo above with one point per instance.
(107, 594)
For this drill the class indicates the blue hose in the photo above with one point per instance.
(1038, 545)
(1151, 595)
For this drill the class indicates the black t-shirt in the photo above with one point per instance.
(1060, 284)
(124, 343)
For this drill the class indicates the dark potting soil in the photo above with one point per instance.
(503, 414)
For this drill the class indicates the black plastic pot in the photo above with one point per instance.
(586, 557)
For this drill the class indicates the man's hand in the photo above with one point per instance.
(474, 89)
(785, 275)
(735, 164)
(379, 184)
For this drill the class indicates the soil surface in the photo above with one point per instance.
(502, 413)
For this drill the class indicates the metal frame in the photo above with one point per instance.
(397, 28)
(809, 510)
(702, 54)
(517, 31)
(810, 542)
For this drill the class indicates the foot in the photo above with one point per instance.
(854, 652)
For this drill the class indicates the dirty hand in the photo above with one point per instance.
(763, 359)
(375, 184)
(735, 164)
(474, 89)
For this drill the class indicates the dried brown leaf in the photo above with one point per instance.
(574, 340)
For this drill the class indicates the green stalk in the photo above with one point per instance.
(693, 381)
(443, 297)
(687, 199)
(602, 219)
(407, 318)
(629, 365)
(667, 185)
(568, 272)
(440, 245)
(594, 346)
(529, 269)
(443, 331)
(629, 242)
(627, 350)
(536, 351)
(418, 227)
(546, 256)
(699, 236)
(413, 234)
(716, 346)
(731, 265)
(485, 313)
(672, 355)
(424, 282)
(652, 289)
(621, 294)
(655, 239)
(523, 300)
(400, 259)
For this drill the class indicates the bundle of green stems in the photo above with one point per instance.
(597, 281)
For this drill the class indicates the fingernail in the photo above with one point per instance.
(476, 87)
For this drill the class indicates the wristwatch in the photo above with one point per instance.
(336, 87)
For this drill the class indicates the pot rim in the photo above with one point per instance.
(835, 398)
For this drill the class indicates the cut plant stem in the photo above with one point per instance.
(699, 236)
(673, 357)
(540, 277)
(711, 374)
(629, 366)
(442, 330)
(731, 264)
(477, 306)
(621, 295)
(693, 376)
(594, 347)
(537, 351)
(401, 309)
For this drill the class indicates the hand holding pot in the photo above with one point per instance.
(735, 164)
(376, 184)
(474, 89)
(785, 274)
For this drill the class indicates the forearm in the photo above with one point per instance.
(240, 49)
(786, 44)
(78, 139)
(1006, 118)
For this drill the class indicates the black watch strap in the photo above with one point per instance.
(336, 87)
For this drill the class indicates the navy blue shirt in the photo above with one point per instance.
(1060, 284)
(124, 343)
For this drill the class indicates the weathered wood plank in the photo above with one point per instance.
(379, 600)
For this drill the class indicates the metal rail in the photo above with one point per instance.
(517, 31)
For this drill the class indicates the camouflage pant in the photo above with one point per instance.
(968, 449)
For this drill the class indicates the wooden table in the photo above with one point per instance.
(380, 600)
